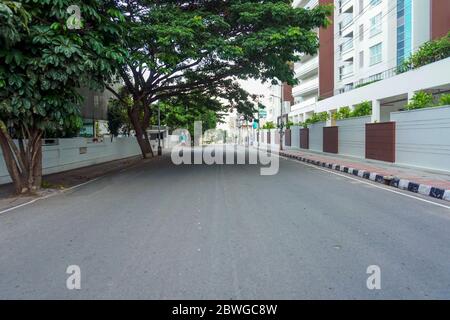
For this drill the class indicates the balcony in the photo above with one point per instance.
(304, 106)
(308, 68)
(347, 45)
(307, 86)
(345, 6)
(345, 71)
(346, 21)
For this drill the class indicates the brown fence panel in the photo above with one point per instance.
(380, 141)
(287, 137)
(304, 138)
(268, 137)
(330, 139)
(277, 137)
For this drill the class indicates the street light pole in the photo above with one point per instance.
(281, 125)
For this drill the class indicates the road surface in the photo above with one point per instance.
(161, 231)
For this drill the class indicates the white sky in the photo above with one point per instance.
(255, 86)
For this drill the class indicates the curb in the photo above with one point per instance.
(396, 182)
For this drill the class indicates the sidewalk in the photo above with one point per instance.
(433, 184)
(57, 182)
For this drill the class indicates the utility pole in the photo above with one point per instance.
(281, 118)
(281, 125)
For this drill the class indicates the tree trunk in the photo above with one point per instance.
(24, 164)
(11, 165)
(141, 134)
(37, 165)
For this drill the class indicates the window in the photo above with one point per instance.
(345, 71)
(375, 54)
(375, 2)
(361, 32)
(375, 25)
(361, 59)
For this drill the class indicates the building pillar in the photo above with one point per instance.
(329, 122)
(376, 110)
(410, 96)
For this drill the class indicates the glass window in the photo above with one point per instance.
(375, 2)
(361, 59)
(361, 32)
(375, 25)
(375, 54)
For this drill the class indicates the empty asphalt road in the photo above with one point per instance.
(161, 231)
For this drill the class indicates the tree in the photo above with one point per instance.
(181, 112)
(181, 48)
(42, 63)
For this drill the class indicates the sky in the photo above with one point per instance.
(254, 86)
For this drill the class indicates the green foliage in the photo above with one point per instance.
(13, 19)
(318, 117)
(429, 52)
(421, 99)
(116, 118)
(289, 124)
(444, 99)
(204, 47)
(362, 109)
(42, 63)
(181, 112)
(269, 125)
(342, 113)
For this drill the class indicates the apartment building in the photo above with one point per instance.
(366, 42)
(375, 36)
(371, 39)
(306, 93)
(278, 101)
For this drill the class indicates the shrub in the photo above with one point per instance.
(362, 109)
(444, 100)
(429, 52)
(269, 125)
(421, 99)
(319, 117)
(342, 113)
(303, 124)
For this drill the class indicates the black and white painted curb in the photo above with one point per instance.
(395, 182)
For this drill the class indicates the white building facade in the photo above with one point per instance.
(306, 93)
(370, 38)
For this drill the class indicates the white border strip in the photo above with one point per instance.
(48, 196)
(370, 184)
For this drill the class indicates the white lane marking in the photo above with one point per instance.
(48, 196)
(65, 190)
(370, 184)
